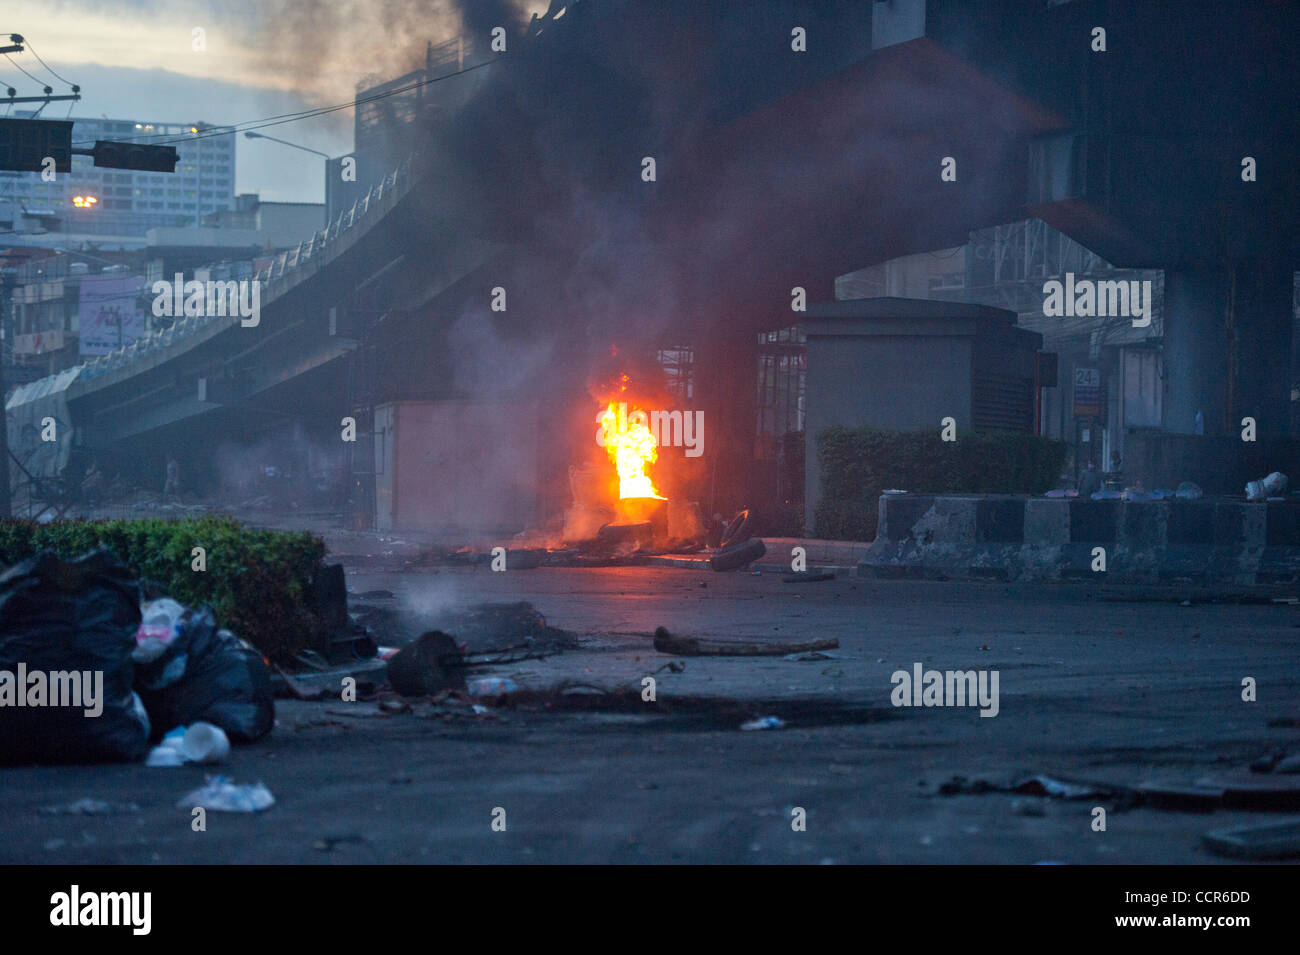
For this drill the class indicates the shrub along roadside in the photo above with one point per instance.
(256, 581)
(857, 464)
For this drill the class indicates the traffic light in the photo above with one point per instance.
(135, 156)
(25, 144)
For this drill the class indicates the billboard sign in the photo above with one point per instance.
(112, 314)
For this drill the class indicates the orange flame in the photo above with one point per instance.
(632, 448)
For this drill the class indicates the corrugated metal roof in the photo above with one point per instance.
(42, 387)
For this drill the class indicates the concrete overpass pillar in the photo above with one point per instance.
(1195, 350)
(1227, 348)
(1261, 314)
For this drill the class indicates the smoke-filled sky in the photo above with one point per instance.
(134, 59)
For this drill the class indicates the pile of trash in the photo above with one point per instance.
(88, 674)
(1187, 491)
(1270, 488)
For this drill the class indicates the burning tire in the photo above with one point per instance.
(738, 555)
(621, 533)
(738, 530)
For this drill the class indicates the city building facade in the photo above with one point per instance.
(129, 203)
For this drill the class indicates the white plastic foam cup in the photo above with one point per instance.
(205, 743)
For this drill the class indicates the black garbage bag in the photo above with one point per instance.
(68, 629)
(208, 675)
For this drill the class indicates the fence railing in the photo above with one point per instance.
(361, 215)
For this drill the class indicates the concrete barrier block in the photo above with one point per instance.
(1191, 523)
(1254, 523)
(1282, 522)
(996, 562)
(1279, 560)
(1094, 521)
(1047, 522)
(898, 513)
(949, 523)
(1279, 565)
(927, 519)
(1225, 543)
(1076, 562)
(1000, 520)
(1141, 545)
(1142, 525)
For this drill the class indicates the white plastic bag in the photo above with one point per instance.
(159, 625)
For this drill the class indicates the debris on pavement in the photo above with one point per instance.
(163, 756)
(808, 577)
(168, 752)
(77, 617)
(201, 743)
(205, 744)
(1160, 795)
(89, 807)
(1267, 762)
(326, 684)
(764, 723)
(298, 689)
(221, 795)
(160, 624)
(208, 675)
(1277, 840)
(1267, 488)
(666, 642)
(328, 843)
(504, 626)
(811, 655)
(1056, 788)
(1030, 786)
(672, 666)
(738, 555)
(427, 666)
(1248, 790)
(493, 686)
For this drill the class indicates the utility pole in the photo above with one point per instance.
(5, 510)
(49, 138)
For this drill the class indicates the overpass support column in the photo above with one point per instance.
(1261, 313)
(1196, 351)
(1227, 348)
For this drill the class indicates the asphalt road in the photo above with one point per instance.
(1111, 692)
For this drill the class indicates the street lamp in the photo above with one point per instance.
(285, 142)
(85, 202)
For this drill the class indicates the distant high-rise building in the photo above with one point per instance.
(130, 203)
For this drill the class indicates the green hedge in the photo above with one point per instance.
(857, 464)
(256, 580)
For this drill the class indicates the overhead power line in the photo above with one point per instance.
(24, 72)
(31, 49)
(283, 118)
